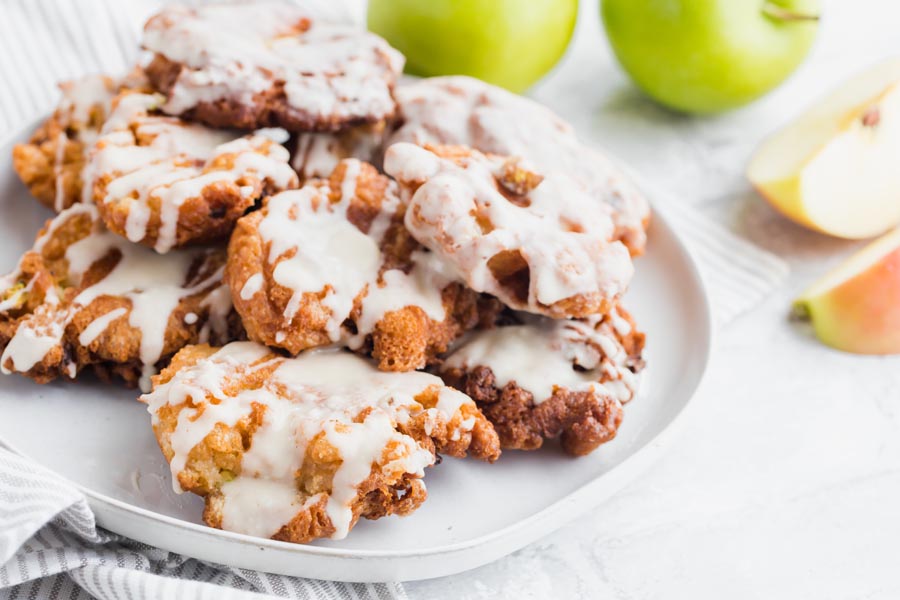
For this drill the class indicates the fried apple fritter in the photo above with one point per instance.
(270, 64)
(537, 378)
(85, 298)
(464, 111)
(300, 448)
(535, 241)
(165, 183)
(50, 164)
(332, 263)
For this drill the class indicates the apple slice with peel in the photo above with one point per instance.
(836, 168)
(856, 307)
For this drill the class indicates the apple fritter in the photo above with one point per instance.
(166, 183)
(83, 297)
(50, 164)
(300, 448)
(535, 241)
(465, 111)
(536, 378)
(269, 64)
(332, 263)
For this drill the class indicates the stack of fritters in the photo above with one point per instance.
(440, 271)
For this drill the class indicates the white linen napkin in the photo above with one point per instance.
(737, 274)
(50, 546)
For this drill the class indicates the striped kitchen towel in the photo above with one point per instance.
(50, 546)
(737, 275)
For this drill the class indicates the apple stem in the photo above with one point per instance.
(783, 14)
(800, 311)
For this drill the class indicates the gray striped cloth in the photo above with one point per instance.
(50, 546)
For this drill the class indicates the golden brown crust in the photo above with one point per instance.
(583, 420)
(45, 293)
(50, 164)
(52, 161)
(458, 227)
(191, 208)
(388, 490)
(267, 108)
(403, 340)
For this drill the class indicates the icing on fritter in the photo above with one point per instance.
(469, 209)
(541, 354)
(239, 52)
(316, 249)
(317, 154)
(465, 111)
(153, 284)
(154, 164)
(325, 392)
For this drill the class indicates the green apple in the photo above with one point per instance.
(510, 43)
(706, 56)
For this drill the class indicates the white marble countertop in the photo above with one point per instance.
(785, 483)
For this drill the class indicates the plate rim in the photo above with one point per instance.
(626, 471)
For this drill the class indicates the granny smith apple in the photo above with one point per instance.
(511, 43)
(705, 56)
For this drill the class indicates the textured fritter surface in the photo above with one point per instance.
(269, 64)
(536, 379)
(537, 242)
(83, 297)
(316, 441)
(469, 112)
(50, 164)
(333, 263)
(165, 183)
(316, 155)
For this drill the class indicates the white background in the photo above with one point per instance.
(786, 481)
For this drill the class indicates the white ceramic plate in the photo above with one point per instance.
(99, 437)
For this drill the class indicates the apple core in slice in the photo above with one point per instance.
(834, 168)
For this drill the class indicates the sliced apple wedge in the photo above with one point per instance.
(836, 168)
(856, 307)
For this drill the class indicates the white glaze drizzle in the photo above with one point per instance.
(252, 286)
(466, 111)
(30, 344)
(332, 254)
(260, 507)
(234, 51)
(80, 97)
(218, 302)
(153, 284)
(319, 392)
(561, 233)
(99, 325)
(542, 354)
(175, 165)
